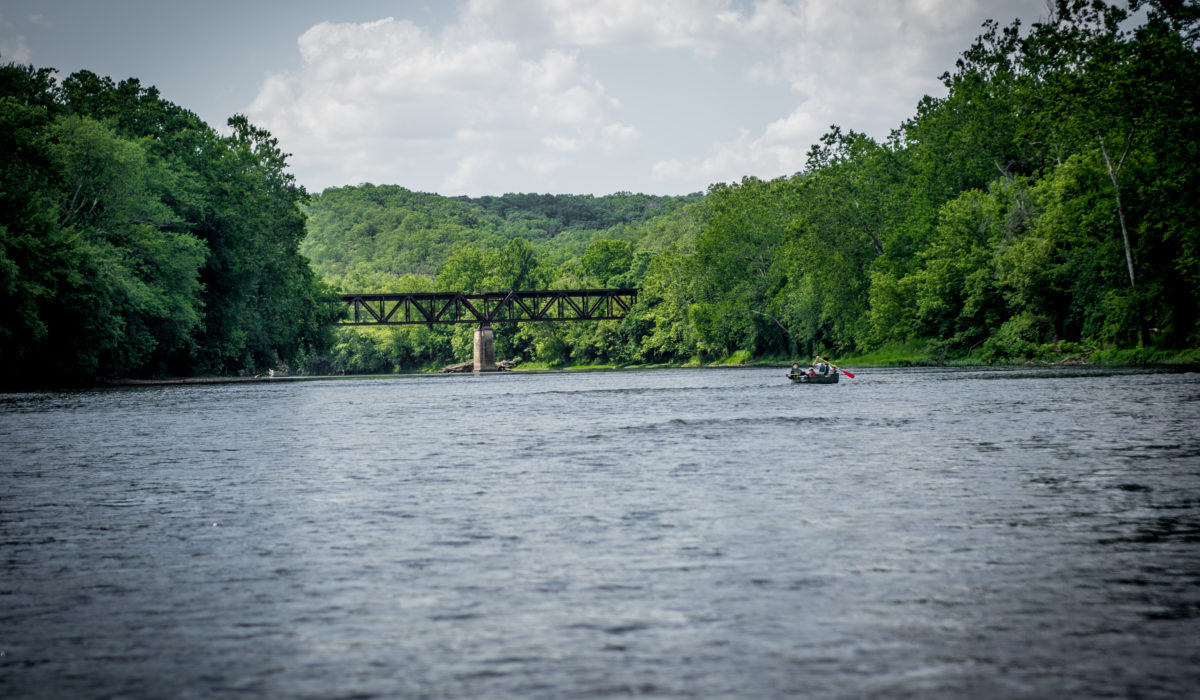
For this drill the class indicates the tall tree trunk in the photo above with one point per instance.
(1113, 172)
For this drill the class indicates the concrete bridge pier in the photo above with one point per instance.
(485, 350)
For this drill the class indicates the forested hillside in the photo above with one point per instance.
(1046, 206)
(371, 229)
(136, 241)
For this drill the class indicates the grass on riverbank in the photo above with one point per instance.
(925, 353)
(918, 353)
(565, 365)
(911, 354)
(914, 353)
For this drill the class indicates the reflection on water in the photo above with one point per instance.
(675, 533)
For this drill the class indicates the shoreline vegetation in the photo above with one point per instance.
(1043, 211)
(1184, 361)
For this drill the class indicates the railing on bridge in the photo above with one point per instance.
(429, 308)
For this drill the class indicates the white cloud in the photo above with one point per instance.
(779, 151)
(618, 137)
(13, 47)
(669, 24)
(466, 171)
(551, 95)
(696, 25)
(861, 65)
(396, 90)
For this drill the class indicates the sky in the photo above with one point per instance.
(486, 97)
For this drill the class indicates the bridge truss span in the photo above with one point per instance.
(431, 308)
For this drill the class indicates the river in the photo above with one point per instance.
(714, 533)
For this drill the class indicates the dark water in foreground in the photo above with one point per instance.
(704, 533)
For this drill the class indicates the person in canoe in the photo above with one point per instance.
(795, 369)
(831, 368)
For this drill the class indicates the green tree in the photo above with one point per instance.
(606, 258)
(958, 296)
(134, 240)
(141, 268)
(518, 266)
(34, 254)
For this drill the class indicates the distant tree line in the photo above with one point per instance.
(136, 241)
(1046, 206)
(369, 228)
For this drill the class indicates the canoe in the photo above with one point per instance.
(818, 379)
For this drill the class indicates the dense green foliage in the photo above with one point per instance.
(388, 239)
(136, 241)
(1046, 205)
(387, 229)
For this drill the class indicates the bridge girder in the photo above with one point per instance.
(432, 308)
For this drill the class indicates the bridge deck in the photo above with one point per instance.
(429, 308)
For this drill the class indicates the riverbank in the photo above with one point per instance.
(929, 354)
(908, 355)
(260, 378)
(926, 354)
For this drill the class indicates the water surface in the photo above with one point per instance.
(674, 533)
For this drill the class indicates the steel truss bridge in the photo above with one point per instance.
(429, 308)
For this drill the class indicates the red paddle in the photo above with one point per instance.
(848, 374)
